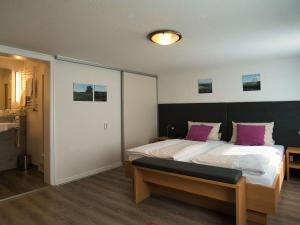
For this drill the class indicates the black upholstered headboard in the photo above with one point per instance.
(178, 115)
(286, 116)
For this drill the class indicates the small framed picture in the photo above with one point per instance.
(82, 92)
(251, 82)
(100, 93)
(204, 86)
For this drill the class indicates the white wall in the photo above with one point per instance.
(280, 81)
(76, 144)
(140, 109)
(82, 146)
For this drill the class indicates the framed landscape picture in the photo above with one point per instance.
(251, 82)
(204, 86)
(100, 93)
(82, 92)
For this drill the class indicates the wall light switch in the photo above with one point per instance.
(105, 126)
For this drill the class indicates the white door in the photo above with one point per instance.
(139, 110)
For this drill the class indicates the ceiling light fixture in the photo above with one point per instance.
(164, 37)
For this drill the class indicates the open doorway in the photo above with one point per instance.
(24, 125)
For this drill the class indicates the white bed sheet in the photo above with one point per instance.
(211, 144)
(184, 158)
(268, 178)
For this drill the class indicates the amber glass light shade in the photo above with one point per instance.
(165, 37)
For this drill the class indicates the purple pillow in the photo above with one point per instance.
(199, 132)
(250, 134)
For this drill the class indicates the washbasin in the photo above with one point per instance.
(7, 126)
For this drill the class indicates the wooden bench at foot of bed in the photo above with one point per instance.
(261, 200)
(226, 185)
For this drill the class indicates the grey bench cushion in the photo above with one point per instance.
(224, 175)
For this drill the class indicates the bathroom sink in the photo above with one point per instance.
(8, 126)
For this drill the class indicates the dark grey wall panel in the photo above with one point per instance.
(179, 114)
(286, 116)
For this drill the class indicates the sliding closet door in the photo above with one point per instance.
(87, 132)
(139, 110)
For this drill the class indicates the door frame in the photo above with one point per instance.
(51, 177)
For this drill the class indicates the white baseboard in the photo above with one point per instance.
(87, 174)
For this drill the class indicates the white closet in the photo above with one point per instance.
(88, 135)
(139, 110)
(84, 143)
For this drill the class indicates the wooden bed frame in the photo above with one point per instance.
(227, 192)
(261, 200)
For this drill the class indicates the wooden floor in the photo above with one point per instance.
(14, 182)
(107, 199)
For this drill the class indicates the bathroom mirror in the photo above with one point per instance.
(5, 88)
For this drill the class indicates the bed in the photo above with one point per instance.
(262, 189)
(151, 150)
(176, 149)
(262, 197)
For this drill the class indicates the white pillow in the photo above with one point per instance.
(214, 133)
(268, 132)
(219, 136)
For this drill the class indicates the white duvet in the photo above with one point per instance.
(170, 149)
(250, 159)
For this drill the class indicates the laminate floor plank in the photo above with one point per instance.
(15, 182)
(107, 199)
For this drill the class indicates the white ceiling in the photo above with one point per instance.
(113, 32)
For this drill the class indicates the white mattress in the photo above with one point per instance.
(268, 178)
(185, 158)
(211, 144)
